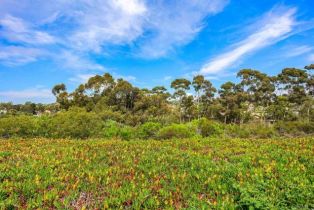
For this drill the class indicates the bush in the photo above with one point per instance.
(127, 133)
(110, 129)
(175, 131)
(149, 130)
(235, 131)
(76, 123)
(20, 125)
(250, 131)
(210, 128)
(295, 128)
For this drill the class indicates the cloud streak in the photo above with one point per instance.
(32, 94)
(16, 30)
(176, 23)
(297, 51)
(311, 58)
(17, 55)
(275, 26)
(150, 28)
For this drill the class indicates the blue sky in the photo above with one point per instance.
(147, 42)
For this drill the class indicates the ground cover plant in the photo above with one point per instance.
(195, 173)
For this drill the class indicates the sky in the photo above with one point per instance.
(146, 42)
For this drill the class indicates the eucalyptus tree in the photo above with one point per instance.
(205, 92)
(180, 86)
(308, 105)
(294, 82)
(231, 98)
(62, 96)
(310, 80)
(99, 86)
(79, 97)
(259, 89)
(123, 95)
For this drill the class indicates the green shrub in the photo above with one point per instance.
(295, 128)
(210, 128)
(260, 130)
(127, 133)
(76, 123)
(44, 126)
(110, 129)
(175, 131)
(250, 131)
(235, 131)
(149, 130)
(20, 125)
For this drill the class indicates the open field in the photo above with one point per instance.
(192, 174)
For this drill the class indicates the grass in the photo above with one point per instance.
(177, 174)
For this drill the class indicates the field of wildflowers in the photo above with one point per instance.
(174, 174)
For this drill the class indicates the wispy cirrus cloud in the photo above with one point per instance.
(81, 78)
(175, 23)
(297, 51)
(311, 58)
(107, 22)
(152, 29)
(36, 94)
(17, 30)
(18, 55)
(76, 61)
(276, 25)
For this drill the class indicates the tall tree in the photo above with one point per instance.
(231, 98)
(204, 93)
(259, 89)
(180, 86)
(62, 95)
(294, 83)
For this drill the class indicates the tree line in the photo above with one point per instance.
(105, 107)
(257, 96)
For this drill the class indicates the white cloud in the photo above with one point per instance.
(128, 78)
(167, 78)
(297, 51)
(151, 28)
(81, 78)
(32, 94)
(72, 61)
(275, 26)
(311, 58)
(14, 55)
(176, 23)
(17, 30)
(107, 22)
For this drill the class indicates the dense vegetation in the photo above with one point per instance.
(192, 174)
(80, 124)
(214, 160)
(258, 106)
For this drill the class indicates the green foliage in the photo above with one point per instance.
(75, 123)
(127, 133)
(175, 131)
(80, 124)
(21, 125)
(256, 130)
(149, 130)
(110, 129)
(210, 128)
(178, 174)
(295, 128)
